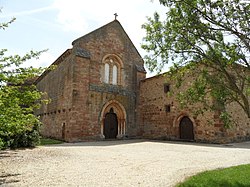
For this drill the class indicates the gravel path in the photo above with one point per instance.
(116, 163)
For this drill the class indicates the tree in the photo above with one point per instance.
(19, 127)
(210, 38)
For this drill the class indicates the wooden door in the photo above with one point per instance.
(110, 126)
(186, 129)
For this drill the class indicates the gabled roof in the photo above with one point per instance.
(56, 62)
(85, 54)
(115, 22)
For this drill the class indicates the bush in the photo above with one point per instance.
(1, 144)
(27, 138)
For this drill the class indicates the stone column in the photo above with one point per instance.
(102, 128)
(119, 134)
(122, 123)
(119, 127)
(124, 127)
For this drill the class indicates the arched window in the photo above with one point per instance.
(106, 73)
(114, 74)
(112, 70)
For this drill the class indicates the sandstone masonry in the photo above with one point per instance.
(98, 90)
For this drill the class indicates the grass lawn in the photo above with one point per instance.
(48, 141)
(237, 176)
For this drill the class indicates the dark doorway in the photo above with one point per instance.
(63, 131)
(186, 129)
(110, 125)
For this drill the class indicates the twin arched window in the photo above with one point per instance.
(112, 70)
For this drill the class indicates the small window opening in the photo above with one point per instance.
(166, 88)
(167, 108)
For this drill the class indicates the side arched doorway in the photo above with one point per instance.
(110, 125)
(113, 120)
(186, 129)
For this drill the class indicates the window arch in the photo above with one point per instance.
(113, 70)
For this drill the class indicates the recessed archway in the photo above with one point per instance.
(186, 129)
(113, 120)
(179, 122)
(110, 130)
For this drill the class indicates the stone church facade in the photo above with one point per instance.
(94, 88)
(98, 90)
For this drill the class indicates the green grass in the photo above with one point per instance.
(237, 176)
(48, 141)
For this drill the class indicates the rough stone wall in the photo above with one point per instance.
(241, 124)
(110, 39)
(57, 84)
(77, 91)
(78, 96)
(79, 114)
(156, 123)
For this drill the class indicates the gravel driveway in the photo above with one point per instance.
(116, 163)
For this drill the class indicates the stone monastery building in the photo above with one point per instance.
(99, 90)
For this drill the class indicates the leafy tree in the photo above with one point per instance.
(209, 39)
(19, 127)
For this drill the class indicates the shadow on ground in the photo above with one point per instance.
(8, 153)
(8, 178)
(242, 145)
(99, 143)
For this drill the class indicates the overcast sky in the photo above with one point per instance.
(54, 24)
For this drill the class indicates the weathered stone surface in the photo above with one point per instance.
(156, 122)
(80, 98)
(82, 53)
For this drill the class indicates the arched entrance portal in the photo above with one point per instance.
(186, 129)
(110, 125)
(113, 120)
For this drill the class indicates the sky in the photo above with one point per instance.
(54, 24)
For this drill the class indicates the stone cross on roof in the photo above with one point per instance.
(115, 15)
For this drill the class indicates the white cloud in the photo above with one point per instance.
(71, 15)
(46, 25)
(44, 60)
(81, 17)
(27, 12)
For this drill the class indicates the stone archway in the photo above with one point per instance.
(110, 130)
(186, 129)
(113, 112)
(178, 125)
